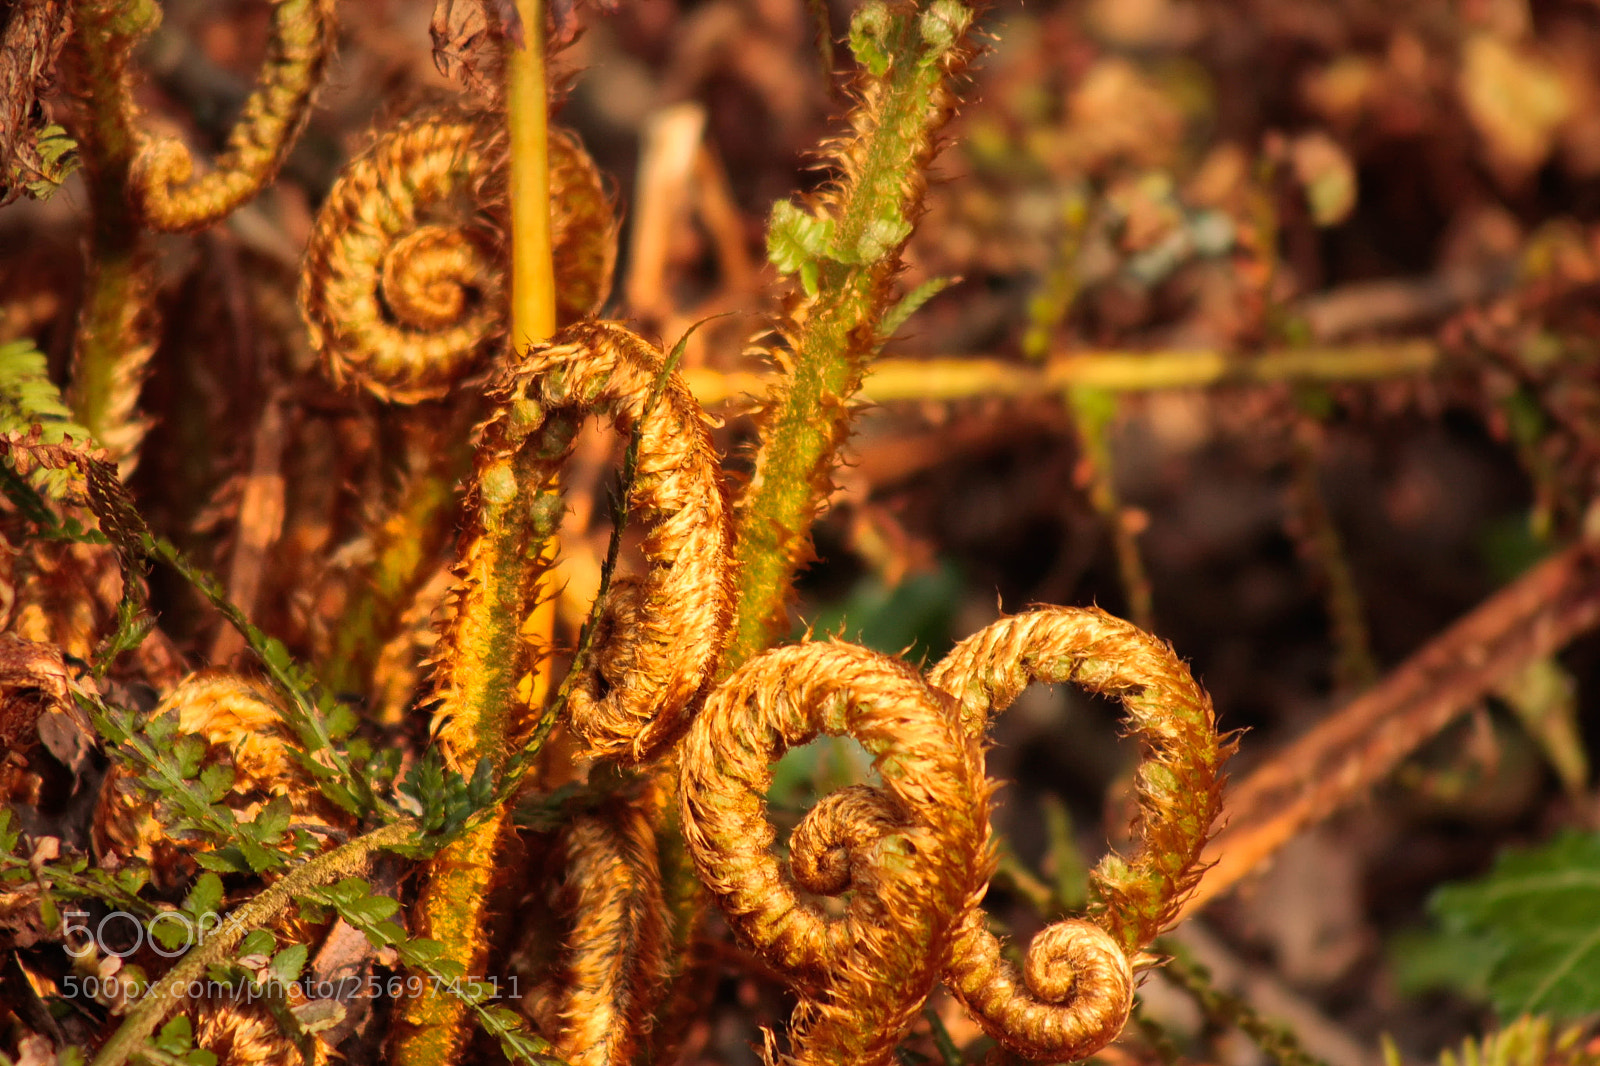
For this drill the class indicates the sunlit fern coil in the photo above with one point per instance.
(1178, 785)
(660, 634)
(412, 193)
(403, 284)
(165, 190)
(913, 853)
(611, 981)
(1071, 999)
(1179, 780)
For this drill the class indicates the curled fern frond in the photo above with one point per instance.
(1077, 989)
(914, 853)
(661, 634)
(402, 286)
(1179, 782)
(166, 192)
(664, 632)
(1072, 998)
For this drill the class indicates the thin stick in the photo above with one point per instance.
(1341, 759)
(533, 282)
(1113, 371)
(533, 276)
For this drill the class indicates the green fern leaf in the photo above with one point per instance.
(1542, 907)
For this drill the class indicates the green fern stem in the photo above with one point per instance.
(845, 250)
(117, 320)
(484, 659)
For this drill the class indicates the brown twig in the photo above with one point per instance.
(261, 517)
(1341, 759)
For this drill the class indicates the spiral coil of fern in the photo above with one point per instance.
(402, 290)
(664, 632)
(915, 852)
(1076, 989)
(1178, 787)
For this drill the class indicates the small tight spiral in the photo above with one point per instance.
(403, 284)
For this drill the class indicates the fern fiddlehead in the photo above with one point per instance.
(1077, 990)
(402, 289)
(886, 846)
(1179, 781)
(915, 852)
(666, 630)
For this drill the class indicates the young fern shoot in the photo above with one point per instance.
(844, 251)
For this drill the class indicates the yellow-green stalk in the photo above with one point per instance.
(454, 899)
(844, 249)
(117, 320)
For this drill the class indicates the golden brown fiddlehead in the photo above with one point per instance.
(1179, 788)
(1072, 998)
(914, 852)
(660, 635)
(165, 191)
(402, 288)
(394, 299)
(640, 689)
(610, 984)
